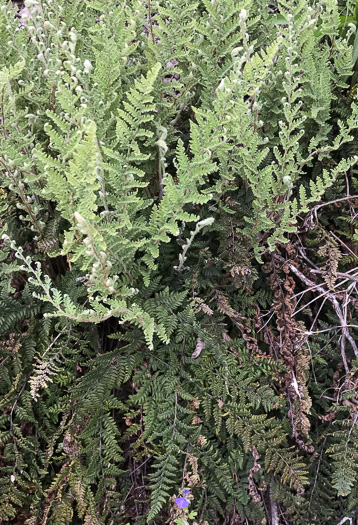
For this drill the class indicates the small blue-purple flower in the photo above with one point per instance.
(182, 503)
(186, 492)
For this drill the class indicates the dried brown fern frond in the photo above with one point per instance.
(331, 253)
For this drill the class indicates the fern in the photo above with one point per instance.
(178, 262)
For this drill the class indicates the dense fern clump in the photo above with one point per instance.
(178, 267)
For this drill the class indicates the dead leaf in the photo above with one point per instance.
(198, 349)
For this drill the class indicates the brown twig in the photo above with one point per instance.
(340, 274)
(347, 198)
(150, 22)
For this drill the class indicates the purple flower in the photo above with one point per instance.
(186, 492)
(182, 503)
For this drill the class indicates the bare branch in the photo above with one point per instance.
(336, 306)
